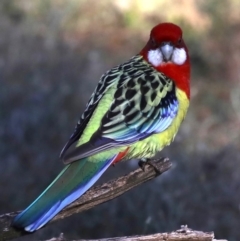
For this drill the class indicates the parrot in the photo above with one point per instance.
(135, 111)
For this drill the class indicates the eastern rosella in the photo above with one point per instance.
(134, 112)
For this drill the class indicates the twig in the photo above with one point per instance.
(92, 198)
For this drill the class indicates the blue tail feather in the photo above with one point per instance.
(69, 185)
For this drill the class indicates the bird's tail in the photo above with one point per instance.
(74, 180)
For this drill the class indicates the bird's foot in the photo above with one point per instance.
(144, 161)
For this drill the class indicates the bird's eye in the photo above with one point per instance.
(153, 42)
(179, 41)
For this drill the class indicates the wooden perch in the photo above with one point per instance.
(92, 198)
(183, 234)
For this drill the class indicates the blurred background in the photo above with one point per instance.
(52, 54)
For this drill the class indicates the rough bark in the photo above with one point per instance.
(183, 234)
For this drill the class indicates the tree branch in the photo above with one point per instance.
(92, 198)
(183, 234)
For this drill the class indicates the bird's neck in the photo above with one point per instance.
(180, 74)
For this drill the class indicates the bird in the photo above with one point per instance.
(135, 111)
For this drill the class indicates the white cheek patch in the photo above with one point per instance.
(155, 57)
(179, 56)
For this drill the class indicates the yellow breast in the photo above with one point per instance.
(150, 146)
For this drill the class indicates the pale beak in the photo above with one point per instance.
(167, 50)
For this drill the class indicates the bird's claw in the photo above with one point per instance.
(142, 164)
(155, 167)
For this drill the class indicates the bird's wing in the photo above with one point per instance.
(144, 103)
(105, 82)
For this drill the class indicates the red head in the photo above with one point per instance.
(167, 52)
